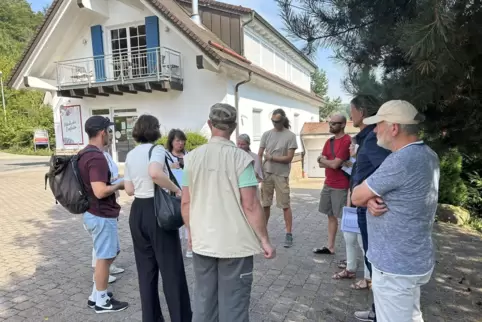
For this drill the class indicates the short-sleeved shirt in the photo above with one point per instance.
(93, 167)
(277, 143)
(258, 169)
(401, 239)
(136, 169)
(335, 178)
(369, 156)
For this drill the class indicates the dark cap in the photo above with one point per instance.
(223, 116)
(97, 123)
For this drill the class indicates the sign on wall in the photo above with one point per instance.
(71, 123)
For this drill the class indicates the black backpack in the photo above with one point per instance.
(66, 183)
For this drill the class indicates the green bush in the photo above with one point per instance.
(194, 139)
(452, 189)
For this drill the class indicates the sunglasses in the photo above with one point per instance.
(335, 123)
(276, 122)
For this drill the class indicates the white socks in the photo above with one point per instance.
(101, 298)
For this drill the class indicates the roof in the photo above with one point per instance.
(323, 128)
(222, 6)
(202, 37)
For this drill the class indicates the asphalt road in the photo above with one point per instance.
(19, 162)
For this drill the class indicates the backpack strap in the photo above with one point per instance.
(166, 164)
(332, 147)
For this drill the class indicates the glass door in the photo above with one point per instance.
(123, 126)
(128, 47)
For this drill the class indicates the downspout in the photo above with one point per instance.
(195, 12)
(236, 102)
(303, 153)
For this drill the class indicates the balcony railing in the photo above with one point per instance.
(121, 67)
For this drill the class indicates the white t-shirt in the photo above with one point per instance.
(114, 170)
(136, 168)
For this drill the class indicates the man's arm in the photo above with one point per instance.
(332, 164)
(99, 176)
(254, 212)
(286, 158)
(361, 194)
(342, 156)
(260, 154)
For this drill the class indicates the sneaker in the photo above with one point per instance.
(115, 270)
(367, 316)
(288, 240)
(91, 303)
(112, 279)
(112, 305)
(189, 253)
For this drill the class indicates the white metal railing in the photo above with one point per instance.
(121, 67)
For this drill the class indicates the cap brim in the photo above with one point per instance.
(372, 120)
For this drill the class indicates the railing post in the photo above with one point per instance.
(88, 72)
(158, 63)
(121, 68)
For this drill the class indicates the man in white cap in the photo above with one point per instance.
(401, 197)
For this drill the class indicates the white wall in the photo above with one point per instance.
(255, 97)
(262, 53)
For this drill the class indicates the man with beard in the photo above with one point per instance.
(401, 197)
(278, 147)
(335, 189)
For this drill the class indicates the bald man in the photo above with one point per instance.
(335, 190)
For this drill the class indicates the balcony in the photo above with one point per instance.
(121, 72)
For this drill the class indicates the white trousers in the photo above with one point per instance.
(397, 297)
(353, 241)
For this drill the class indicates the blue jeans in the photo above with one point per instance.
(362, 223)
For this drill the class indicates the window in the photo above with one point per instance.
(296, 124)
(256, 124)
(101, 112)
(128, 47)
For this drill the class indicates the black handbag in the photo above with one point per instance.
(167, 208)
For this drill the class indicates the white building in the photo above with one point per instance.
(124, 58)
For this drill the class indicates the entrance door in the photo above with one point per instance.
(123, 136)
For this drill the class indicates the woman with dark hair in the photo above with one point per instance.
(176, 140)
(154, 248)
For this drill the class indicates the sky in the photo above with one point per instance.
(268, 9)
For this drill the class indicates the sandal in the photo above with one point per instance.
(362, 285)
(323, 250)
(344, 274)
(342, 264)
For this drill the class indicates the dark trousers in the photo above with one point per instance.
(158, 250)
(362, 223)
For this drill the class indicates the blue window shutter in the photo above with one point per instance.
(152, 42)
(98, 52)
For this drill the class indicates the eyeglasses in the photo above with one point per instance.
(335, 123)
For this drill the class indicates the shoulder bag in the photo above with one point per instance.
(167, 208)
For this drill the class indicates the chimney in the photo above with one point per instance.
(195, 12)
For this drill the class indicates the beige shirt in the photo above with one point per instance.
(277, 143)
(219, 227)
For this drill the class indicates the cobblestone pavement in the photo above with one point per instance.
(45, 270)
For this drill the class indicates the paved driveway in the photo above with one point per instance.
(45, 270)
(10, 162)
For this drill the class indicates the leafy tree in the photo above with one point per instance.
(25, 111)
(319, 85)
(427, 52)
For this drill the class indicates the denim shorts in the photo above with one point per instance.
(104, 235)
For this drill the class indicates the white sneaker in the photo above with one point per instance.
(112, 279)
(189, 253)
(115, 270)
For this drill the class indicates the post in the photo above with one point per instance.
(3, 98)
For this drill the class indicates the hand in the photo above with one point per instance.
(175, 165)
(120, 185)
(376, 206)
(268, 157)
(347, 164)
(352, 150)
(269, 250)
(179, 193)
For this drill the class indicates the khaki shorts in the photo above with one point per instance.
(332, 201)
(281, 185)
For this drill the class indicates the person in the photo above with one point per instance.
(114, 176)
(401, 196)
(335, 189)
(277, 149)
(244, 142)
(176, 141)
(155, 249)
(226, 222)
(369, 157)
(100, 220)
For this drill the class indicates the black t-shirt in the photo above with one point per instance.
(93, 167)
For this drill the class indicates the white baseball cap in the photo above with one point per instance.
(398, 112)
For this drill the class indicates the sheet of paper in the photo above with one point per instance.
(349, 220)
